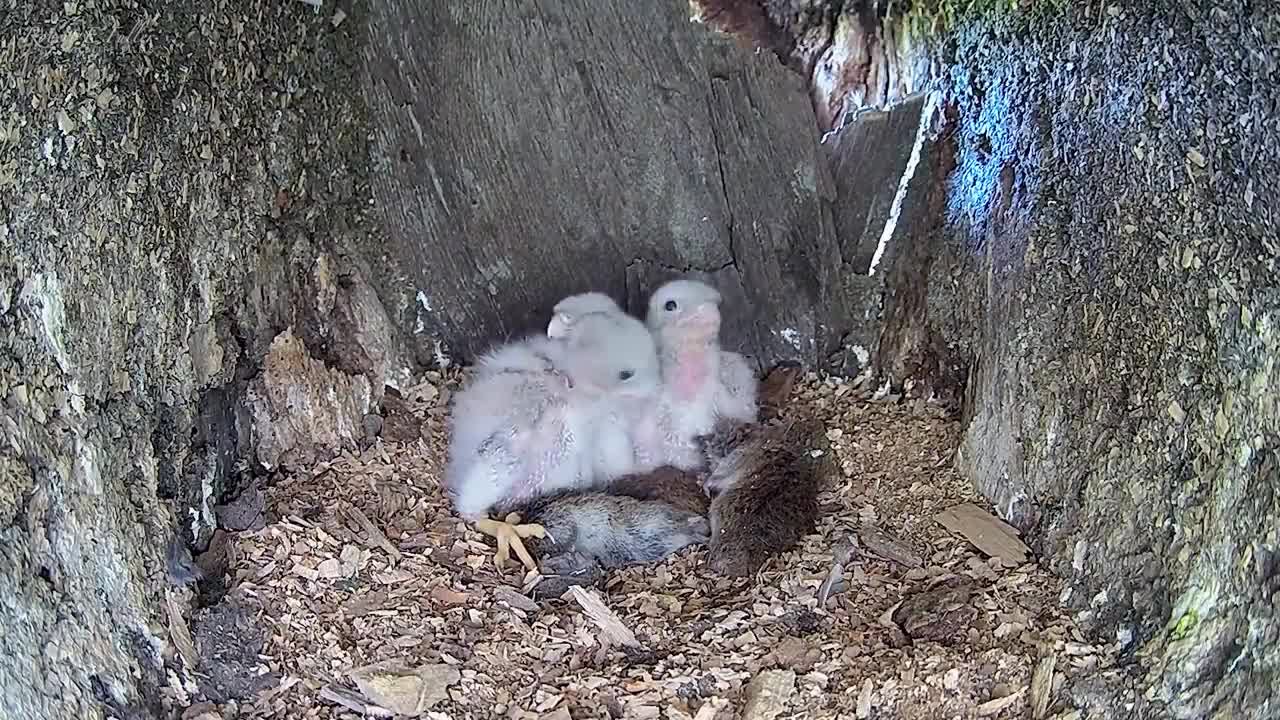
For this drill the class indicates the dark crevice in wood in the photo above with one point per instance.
(748, 22)
(910, 346)
(718, 148)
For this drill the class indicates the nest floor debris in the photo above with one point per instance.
(361, 563)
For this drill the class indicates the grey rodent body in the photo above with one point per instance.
(633, 519)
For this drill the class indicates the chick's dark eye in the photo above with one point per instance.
(670, 306)
(625, 374)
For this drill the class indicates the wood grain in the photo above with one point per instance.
(524, 151)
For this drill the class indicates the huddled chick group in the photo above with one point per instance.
(611, 436)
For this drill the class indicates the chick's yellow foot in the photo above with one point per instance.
(510, 533)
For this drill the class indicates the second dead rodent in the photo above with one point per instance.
(769, 478)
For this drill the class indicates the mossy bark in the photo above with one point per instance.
(1104, 267)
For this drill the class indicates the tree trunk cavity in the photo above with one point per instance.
(195, 288)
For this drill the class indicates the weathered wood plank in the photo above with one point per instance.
(988, 533)
(868, 158)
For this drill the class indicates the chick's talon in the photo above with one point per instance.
(509, 533)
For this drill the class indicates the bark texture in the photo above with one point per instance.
(868, 158)
(1103, 264)
(607, 155)
(1087, 252)
(854, 54)
(179, 185)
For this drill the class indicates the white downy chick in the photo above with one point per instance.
(701, 383)
(613, 444)
(534, 353)
(567, 311)
(525, 425)
(522, 373)
(615, 453)
(737, 390)
(510, 393)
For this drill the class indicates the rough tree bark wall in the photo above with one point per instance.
(1106, 268)
(184, 251)
(531, 154)
(182, 186)
(178, 182)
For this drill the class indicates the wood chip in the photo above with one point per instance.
(265, 696)
(330, 569)
(352, 701)
(394, 576)
(515, 599)
(863, 710)
(447, 596)
(794, 653)
(406, 692)
(833, 585)
(886, 546)
(202, 711)
(767, 694)
(603, 617)
(303, 571)
(179, 633)
(710, 709)
(995, 705)
(376, 536)
(988, 533)
(363, 604)
(1042, 687)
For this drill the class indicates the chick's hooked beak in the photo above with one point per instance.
(702, 319)
(559, 326)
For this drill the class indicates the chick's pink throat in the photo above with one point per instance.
(692, 370)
